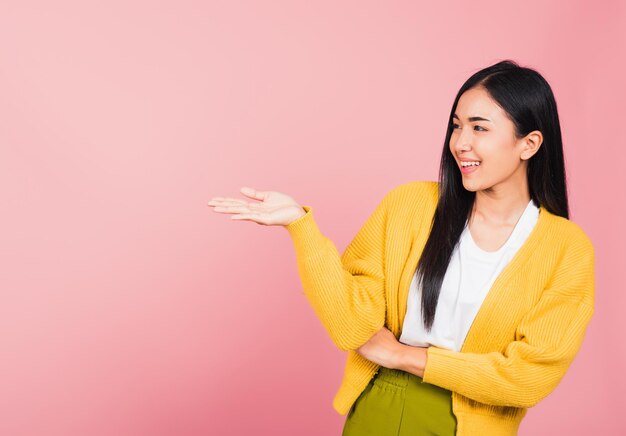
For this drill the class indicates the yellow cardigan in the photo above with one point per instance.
(522, 341)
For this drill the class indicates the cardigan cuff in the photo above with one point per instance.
(440, 369)
(307, 238)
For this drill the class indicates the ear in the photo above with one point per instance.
(531, 144)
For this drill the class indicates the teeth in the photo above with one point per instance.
(467, 164)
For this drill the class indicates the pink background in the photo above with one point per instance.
(129, 307)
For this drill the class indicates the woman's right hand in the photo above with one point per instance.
(275, 208)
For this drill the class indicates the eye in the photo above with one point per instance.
(454, 126)
(481, 129)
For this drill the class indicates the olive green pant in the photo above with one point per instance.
(398, 403)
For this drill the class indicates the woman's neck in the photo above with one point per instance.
(499, 207)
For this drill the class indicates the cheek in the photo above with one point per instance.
(501, 162)
(499, 150)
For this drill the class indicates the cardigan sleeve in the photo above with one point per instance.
(347, 291)
(546, 342)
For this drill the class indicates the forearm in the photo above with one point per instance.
(346, 291)
(412, 359)
(520, 376)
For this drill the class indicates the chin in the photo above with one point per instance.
(471, 186)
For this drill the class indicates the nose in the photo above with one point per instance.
(462, 142)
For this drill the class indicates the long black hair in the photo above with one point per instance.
(529, 102)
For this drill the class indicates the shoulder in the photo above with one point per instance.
(411, 201)
(413, 191)
(566, 254)
(572, 234)
(568, 249)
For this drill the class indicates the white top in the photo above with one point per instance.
(469, 277)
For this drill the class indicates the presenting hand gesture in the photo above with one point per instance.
(274, 209)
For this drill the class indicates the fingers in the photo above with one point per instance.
(254, 217)
(249, 216)
(240, 209)
(252, 193)
(247, 191)
(221, 201)
(225, 208)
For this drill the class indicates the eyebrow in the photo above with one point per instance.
(473, 118)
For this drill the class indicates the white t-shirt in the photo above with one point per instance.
(469, 277)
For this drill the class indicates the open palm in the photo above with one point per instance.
(274, 208)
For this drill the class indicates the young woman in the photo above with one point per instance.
(462, 302)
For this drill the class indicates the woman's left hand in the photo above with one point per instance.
(383, 349)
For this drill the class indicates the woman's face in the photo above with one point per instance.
(482, 132)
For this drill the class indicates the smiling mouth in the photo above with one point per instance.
(470, 164)
(469, 169)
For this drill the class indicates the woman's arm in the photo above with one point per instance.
(347, 292)
(412, 359)
(547, 340)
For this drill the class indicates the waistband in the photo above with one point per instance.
(403, 379)
(397, 377)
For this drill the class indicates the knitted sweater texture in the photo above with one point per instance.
(525, 336)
